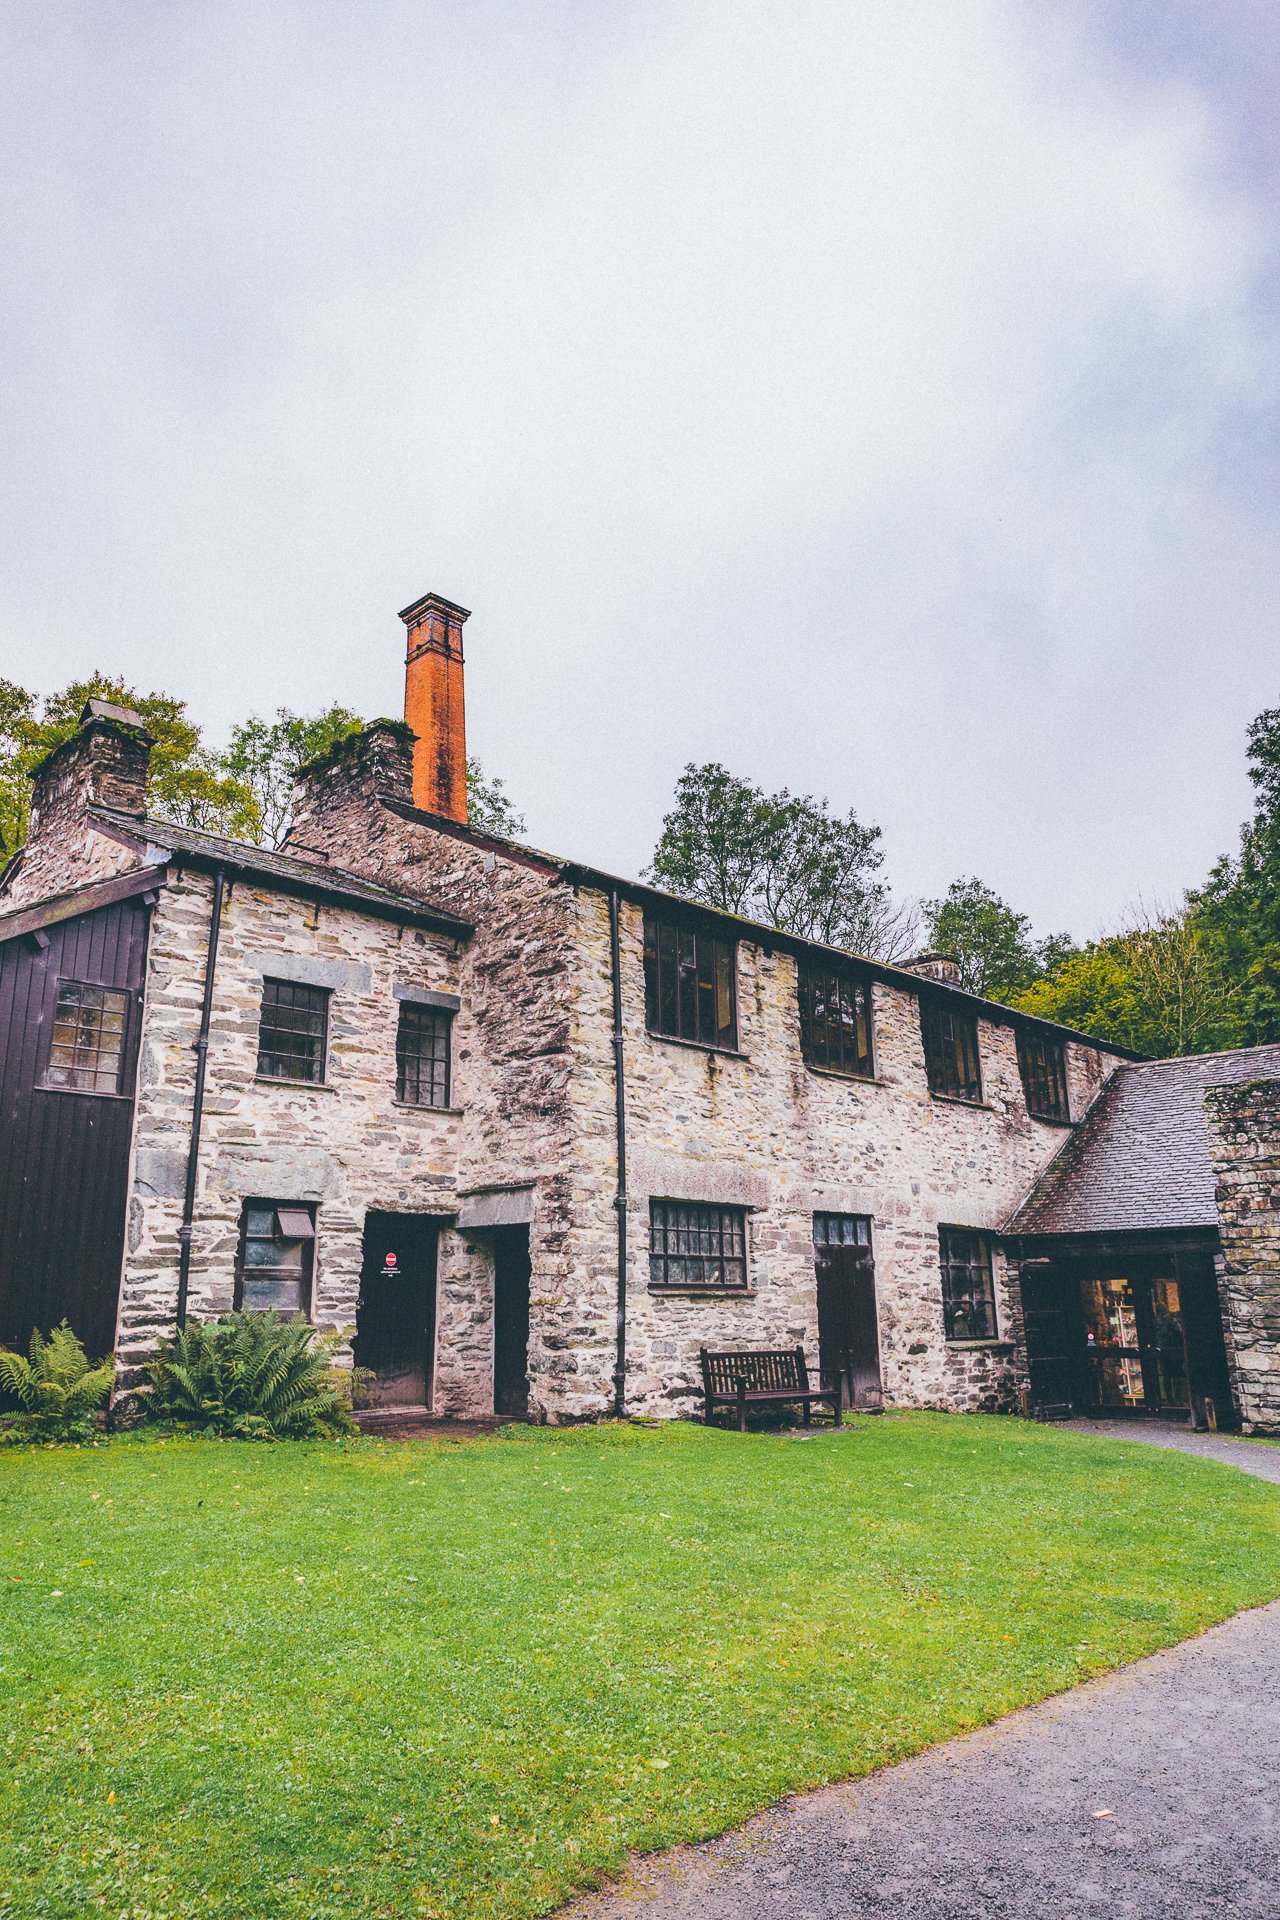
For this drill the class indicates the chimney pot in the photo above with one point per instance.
(434, 705)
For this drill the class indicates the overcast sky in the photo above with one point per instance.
(879, 397)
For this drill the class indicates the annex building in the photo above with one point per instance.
(532, 1135)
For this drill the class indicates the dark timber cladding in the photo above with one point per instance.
(64, 1149)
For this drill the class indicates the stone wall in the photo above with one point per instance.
(345, 1145)
(1244, 1149)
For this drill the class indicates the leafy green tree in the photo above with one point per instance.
(489, 808)
(997, 953)
(1157, 986)
(1238, 908)
(264, 755)
(188, 783)
(785, 859)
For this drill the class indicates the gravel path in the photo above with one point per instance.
(1150, 1794)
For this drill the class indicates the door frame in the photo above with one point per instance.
(864, 1260)
(431, 1322)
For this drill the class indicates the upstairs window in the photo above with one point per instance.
(277, 1244)
(835, 1021)
(968, 1293)
(696, 1246)
(422, 1056)
(87, 1044)
(291, 1035)
(950, 1035)
(1044, 1075)
(689, 987)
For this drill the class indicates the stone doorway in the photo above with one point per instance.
(396, 1314)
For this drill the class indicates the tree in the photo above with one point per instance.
(782, 858)
(997, 953)
(488, 807)
(266, 755)
(1156, 986)
(1238, 909)
(188, 783)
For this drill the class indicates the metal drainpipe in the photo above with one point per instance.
(620, 1198)
(197, 1104)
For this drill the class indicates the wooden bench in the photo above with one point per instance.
(763, 1376)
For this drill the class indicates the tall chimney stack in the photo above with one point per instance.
(434, 707)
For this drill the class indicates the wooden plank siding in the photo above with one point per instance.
(64, 1156)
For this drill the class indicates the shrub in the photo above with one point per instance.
(56, 1388)
(248, 1376)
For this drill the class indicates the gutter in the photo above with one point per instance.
(197, 1103)
(620, 1197)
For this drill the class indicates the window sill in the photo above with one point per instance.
(960, 1100)
(980, 1346)
(1050, 1120)
(304, 1086)
(696, 1046)
(851, 1079)
(423, 1106)
(86, 1093)
(703, 1293)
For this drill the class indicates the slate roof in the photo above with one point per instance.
(1139, 1160)
(314, 879)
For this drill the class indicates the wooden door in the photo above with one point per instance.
(1048, 1328)
(511, 1270)
(848, 1333)
(395, 1318)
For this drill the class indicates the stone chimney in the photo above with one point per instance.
(103, 764)
(934, 966)
(335, 811)
(434, 706)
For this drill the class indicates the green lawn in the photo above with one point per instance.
(318, 1680)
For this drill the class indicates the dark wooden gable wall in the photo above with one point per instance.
(64, 1156)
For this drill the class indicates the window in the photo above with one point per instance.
(842, 1230)
(689, 989)
(1044, 1075)
(950, 1049)
(292, 1033)
(87, 1044)
(277, 1239)
(696, 1246)
(422, 1056)
(968, 1296)
(835, 1021)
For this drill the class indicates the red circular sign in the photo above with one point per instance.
(390, 1260)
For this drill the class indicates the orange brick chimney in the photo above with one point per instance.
(434, 707)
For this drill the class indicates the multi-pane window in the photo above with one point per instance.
(422, 1056)
(1044, 1075)
(87, 1043)
(968, 1295)
(842, 1230)
(292, 1031)
(277, 1241)
(689, 987)
(835, 1021)
(950, 1037)
(696, 1246)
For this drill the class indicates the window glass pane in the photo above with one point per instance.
(950, 1038)
(87, 1038)
(1042, 1063)
(968, 1292)
(689, 984)
(291, 1034)
(275, 1264)
(835, 1028)
(696, 1246)
(422, 1056)
(272, 1294)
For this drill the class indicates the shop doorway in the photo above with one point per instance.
(848, 1333)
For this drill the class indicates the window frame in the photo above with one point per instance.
(849, 982)
(307, 1242)
(675, 990)
(980, 1262)
(1050, 1071)
(415, 1012)
(942, 1050)
(322, 996)
(735, 1219)
(51, 1066)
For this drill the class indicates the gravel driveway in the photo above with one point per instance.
(1151, 1794)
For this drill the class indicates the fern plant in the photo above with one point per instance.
(248, 1376)
(56, 1388)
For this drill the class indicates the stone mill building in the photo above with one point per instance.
(531, 1135)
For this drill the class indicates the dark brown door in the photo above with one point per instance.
(1206, 1348)
(511, 1321)
(848, 1335)
(1048, 1329)
(395, 1319)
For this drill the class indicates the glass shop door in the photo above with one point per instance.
(1135, 1347)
